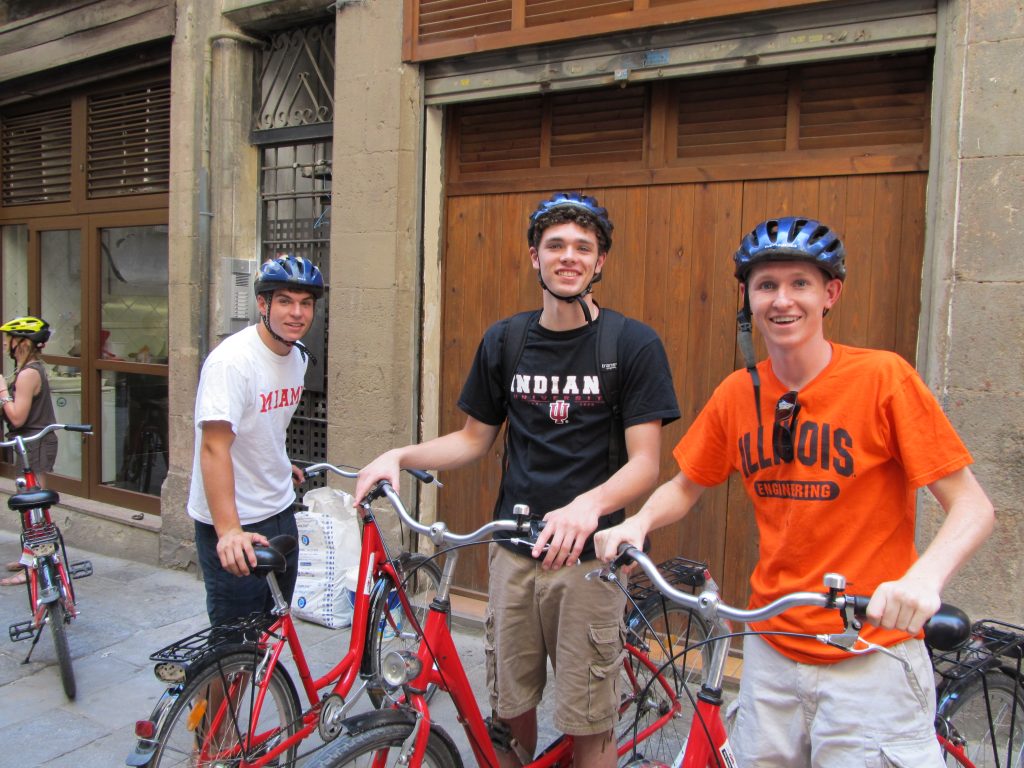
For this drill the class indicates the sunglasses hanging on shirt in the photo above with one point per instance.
(784, 429)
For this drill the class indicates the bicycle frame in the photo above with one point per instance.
(708, 743)
(439, 664)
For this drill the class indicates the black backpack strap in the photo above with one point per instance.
(609, 329)
(513, 342)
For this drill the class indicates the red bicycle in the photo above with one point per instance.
(405, 735)
(230, 701)
(708, 742)
(49, 574)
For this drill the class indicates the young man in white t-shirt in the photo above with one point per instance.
(243, 484)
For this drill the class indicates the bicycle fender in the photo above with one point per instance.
(379, 591)
(366, 721)
(144, 748)
(194, 668)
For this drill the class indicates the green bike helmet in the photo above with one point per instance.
(34, 329)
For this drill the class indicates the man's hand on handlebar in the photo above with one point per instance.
(608, 541)
(565, 532)
(905, 604)
(384, 467)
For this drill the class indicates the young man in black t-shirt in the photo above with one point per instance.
(560, 426)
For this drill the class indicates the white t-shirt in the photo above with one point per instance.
(247, 385)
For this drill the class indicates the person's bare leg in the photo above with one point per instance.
(595, 751)
(524, 730)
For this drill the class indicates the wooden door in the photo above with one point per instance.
(671, 267)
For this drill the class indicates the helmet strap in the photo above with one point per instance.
(578, 298)
(745, 340)
(274, 335)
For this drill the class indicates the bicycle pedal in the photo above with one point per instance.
(80, 570)
(21, 631)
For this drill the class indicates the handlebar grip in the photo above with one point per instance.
(78, 427)
(423, 477)
(625, 554)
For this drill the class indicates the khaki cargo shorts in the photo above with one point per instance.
(534, 614)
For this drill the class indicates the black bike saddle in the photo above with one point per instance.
(33, 499)
(273, 558)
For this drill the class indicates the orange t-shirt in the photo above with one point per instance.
(868, 434)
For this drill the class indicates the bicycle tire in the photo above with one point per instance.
(55, 615)
(669, 632)
(182, 741)
(360, 750)
(389, 629)
(963, 707)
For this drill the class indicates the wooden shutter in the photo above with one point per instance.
(543, 12)
(859, 116)
(129, 139)
(732, 114)
(36, 157)
(604, 126)
(865, 103)
(437, 29)
(458, 19)
(496, 137)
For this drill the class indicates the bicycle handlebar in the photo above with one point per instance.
(316, 469)
(437, 532)
(13, 442)
(711, 607)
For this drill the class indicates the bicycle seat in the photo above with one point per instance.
(33, 499)
(272, 558)
(948, 629)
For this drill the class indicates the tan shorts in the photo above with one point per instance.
(868, 711)
(534, 614)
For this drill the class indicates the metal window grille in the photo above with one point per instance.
(297, 78)
(295, 84)
(295, 194)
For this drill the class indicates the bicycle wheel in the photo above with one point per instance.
(55, 617)
(213, 722)
(384, 742)
(967, 713)
(670, 632)
(390, 629)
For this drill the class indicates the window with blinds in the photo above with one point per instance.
(129, 141)
(35, 158)
(436, 29)
(866, 115)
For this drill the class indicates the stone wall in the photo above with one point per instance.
(213, 216)
(972, 350)
(375, 233)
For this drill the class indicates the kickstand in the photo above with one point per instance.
(35, 640)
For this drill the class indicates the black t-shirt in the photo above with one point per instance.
(559, 424)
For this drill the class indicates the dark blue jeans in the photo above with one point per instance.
(231, 597)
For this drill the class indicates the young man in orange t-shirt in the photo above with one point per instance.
(832, 448)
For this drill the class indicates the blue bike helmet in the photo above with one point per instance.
(572, 200)
(791, 239)
(289, 272)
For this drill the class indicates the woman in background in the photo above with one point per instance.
(26, 406)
